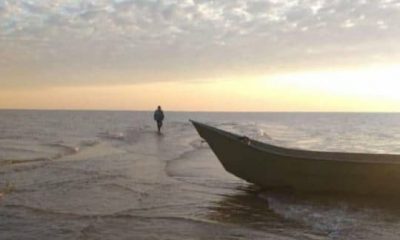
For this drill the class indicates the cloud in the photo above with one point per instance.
(181, 39)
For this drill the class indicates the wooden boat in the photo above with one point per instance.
(274, 167)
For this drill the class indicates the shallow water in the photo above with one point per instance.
(109, 175)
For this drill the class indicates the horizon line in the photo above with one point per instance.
(184, 111)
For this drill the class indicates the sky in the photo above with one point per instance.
(200, 55)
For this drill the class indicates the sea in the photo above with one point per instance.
(110, 175)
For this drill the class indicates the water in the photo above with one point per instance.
(108, 175)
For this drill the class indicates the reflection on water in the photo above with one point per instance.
(304, 215)
(250, 209)
(340, 216)
(247, 208)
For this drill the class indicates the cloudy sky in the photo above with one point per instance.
(255, 55)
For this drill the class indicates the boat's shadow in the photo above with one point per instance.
(252, 207)
(247, 209)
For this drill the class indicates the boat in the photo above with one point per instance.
(274, 167)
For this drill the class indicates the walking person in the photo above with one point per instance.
(159, 117)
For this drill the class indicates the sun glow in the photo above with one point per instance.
(373, 89)
(382, 83)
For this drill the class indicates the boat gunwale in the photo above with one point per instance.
(303, 154)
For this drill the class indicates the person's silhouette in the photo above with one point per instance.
(159, 117)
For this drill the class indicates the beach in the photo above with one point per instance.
(110, 175)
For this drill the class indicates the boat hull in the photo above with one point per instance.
(273, 167)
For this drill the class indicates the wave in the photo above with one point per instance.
(16, 161)
(198, 144)
(112, 135)
(49, 152)
(41, 211)
(17, 166)
(66, 150)
(124, 214)
(17, 149)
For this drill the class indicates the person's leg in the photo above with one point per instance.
(159, 124)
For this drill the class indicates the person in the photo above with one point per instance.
(159, 117)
